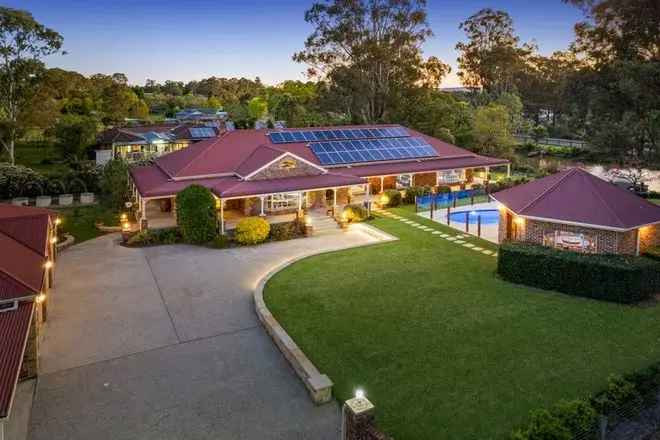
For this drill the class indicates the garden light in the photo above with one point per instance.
(126, 226)
(58, 221)
(124, 217)
(520, 221)
(359, 393)
(308, 220)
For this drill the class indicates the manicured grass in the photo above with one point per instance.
(80, 221)
(441, 345)
(43, 159)
(656, 201)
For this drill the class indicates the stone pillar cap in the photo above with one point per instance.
(359, 405)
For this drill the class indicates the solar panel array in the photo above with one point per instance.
(202, 132)
(372, 150)
(284, 137)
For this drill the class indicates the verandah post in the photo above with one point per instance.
(416, 206)
(479, 226)
(467, 221)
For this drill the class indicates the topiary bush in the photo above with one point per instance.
(617, 278)
(252, 230)
(196, 214)
(393, 198)
(355, 213)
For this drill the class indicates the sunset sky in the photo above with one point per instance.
(187, 40)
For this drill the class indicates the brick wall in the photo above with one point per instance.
(649, 236)
(607, 242)
(424, 179)
(288, 166)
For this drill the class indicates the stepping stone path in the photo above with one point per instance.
(458, 239)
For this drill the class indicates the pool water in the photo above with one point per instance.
(488, 216)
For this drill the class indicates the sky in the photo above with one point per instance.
(187, 40)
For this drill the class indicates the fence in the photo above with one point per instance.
(450, 199)
(574, 143)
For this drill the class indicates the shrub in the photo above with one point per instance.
(543, 426)
(285, 231)
(618, 278)
(114, 183)
(415, 191)
(355, 213)
(620, 392)
(653, 253)
(221, 242)
(443, 189)
(20, 181)
(196, 214)
(393, 198)
(155, 237)
(252, 230)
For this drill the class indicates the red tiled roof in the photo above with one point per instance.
(286, 184)
(24, 244)
(238, 153)
(14, 330)
(576, 196)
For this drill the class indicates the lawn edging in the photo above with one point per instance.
(319, 385)
(69, 241)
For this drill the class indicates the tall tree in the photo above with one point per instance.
(492, 54)
(369, 52)
(618, 29)
(23, 42)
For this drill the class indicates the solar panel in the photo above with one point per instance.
(283, 137)
(202, 132)
(371, 150)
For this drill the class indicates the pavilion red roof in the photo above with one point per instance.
(576, 196)
(14, 330)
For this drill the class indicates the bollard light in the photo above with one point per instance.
(308, 220)
(359, 393)
(125, 227)
(58, 221)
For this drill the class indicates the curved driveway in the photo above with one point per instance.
(163, 343)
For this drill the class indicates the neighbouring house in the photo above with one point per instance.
(28, 243)
(578, 211)
(143, 142)
(207, 115)
(281, 171)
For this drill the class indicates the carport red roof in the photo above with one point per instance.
(24, 244)
(14, 330)
(576, 196)
(222, 163)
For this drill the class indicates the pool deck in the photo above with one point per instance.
(488, 232)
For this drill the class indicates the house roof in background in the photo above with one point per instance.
(576, 196)
(14, 331)
(155, 132)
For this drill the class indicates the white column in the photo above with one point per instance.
(487, 173)
(222, 217)
(334, 197)
(437, 178)
(263, 200)
(382, 183)
(300, 200)
(368, 199)
(508, 170)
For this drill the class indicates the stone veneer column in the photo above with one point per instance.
(357, 417)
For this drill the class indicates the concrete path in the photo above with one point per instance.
(163, 343)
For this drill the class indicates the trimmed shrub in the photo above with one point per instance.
(196, 214)
(617, 278)
(285, 231)
(355, 213)
(252, 230)
(415, 191)
(620, 392)
(393, 198)
(155, 237)
(221, 242)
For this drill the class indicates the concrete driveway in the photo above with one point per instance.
(163, 343)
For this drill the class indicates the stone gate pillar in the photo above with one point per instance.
(357, 418)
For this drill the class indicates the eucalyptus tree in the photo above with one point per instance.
(24, 42)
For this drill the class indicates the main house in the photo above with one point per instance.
(147, 141)
(273, 172)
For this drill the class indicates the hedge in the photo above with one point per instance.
(413, 192)
(393, 198)
(617, 278)
(196, 214)
(355, 213)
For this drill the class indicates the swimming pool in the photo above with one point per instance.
(488, 216)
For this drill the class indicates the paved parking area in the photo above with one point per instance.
(163, 343)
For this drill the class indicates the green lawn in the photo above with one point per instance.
(444, 348)
(80, 222)
(656, 201)
(43, 159)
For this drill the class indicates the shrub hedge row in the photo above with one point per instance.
(579, 418)
(618, 278)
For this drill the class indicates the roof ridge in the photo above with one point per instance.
(22, 244)
(609, 208)
(570, 172)
(201, 153)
